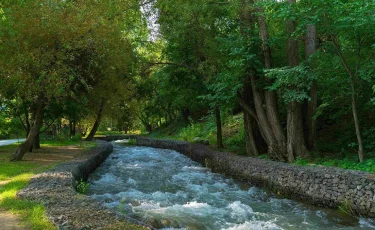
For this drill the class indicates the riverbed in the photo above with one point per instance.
(168, 190)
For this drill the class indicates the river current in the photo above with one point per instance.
(168, 189)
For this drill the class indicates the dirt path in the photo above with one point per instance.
(10, 221)
(45, 157)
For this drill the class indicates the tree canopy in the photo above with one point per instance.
(295, 70)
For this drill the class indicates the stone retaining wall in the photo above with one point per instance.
(323, 186)
(66, 208)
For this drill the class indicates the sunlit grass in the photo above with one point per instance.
(32, 214)
(15, 176)
(68, 142)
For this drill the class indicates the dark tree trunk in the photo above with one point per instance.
(36, 144)
(70, 128)
(97, 121)
(249, 114)
(352, 77)
(219, 133)
(58, 128)
(270, 96)
(251, 146)
(296, 142)
(34, 132)
(74, 128)
(276, 149)
(296, 147)
(310, 107)
(186, 115)
(28, 125)
(33, 114)
(356, 122)
(148, 128)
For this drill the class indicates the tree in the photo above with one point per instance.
(296, 142)
(49, 48)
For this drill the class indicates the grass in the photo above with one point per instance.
(348, 162)
(14, 176)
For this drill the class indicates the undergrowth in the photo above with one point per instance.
(82, 186)
(348, 162)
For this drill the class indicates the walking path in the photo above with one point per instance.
(10, 221)
(9, 142)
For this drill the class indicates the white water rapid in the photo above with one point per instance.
(169, 191)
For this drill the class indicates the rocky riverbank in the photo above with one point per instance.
(331, 187)
(66, 208)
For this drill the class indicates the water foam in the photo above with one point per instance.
(256, 225)
(164, 185)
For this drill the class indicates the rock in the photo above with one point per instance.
(154, 223)
(135, 203)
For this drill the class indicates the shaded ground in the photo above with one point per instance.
(34, 162)
(10, 221)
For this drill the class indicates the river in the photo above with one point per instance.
(166, 189)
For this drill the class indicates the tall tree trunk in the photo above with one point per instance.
(28, 125)
(251, 146)
(271, 96)
(219, 132)
(353, 98)
(276, 150)
(276, 147)
(70, 128)
(186, 114)
(74, 128)
(356, 122)
(311, 106)
(33, 114)
(295, 144)
(99, 116)
(248, 113)
(36, 144)
(34, 132)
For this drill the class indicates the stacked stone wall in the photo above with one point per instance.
(322, 186)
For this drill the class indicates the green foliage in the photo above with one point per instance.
(301, 161)
(234, 134)
(348, 162)
(294, 83)
(10, 127)
(347, 207)
(203, 130)
(132, 141)
(82, 186)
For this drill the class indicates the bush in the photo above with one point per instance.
(82, 186)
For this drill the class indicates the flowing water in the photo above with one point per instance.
(168, 190)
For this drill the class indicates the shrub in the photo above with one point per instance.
(82, 186)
